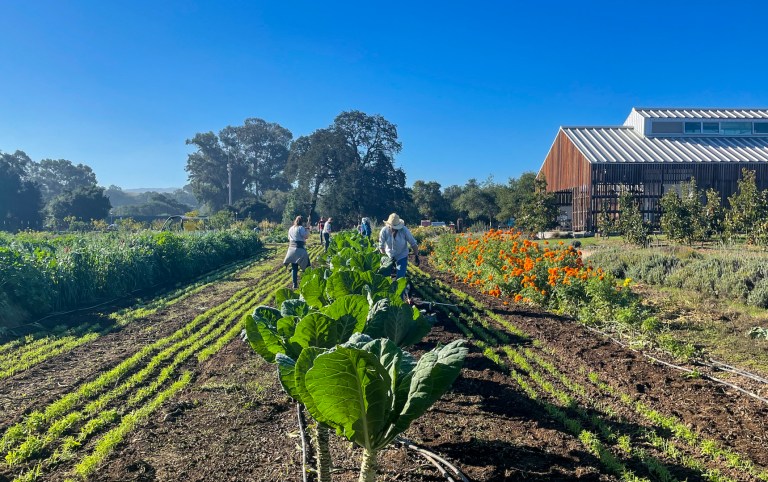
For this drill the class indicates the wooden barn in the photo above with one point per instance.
(654, 151)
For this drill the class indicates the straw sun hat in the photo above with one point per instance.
(394, 222)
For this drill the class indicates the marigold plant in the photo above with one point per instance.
(506, 265)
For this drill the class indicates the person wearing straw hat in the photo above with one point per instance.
(394, 239)
(297, 255)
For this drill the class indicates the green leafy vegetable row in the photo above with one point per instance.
(337, 345)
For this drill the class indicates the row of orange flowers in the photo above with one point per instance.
(504, 264)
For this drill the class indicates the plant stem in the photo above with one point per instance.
(322, 453)
(302, 423)
(369, 466)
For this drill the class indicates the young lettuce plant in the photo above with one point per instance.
(370, 390)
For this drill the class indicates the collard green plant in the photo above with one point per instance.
(370, 390)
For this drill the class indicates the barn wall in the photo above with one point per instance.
(567, 170)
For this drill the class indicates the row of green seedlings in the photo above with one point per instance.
(103, 400)
(708, 448)
(704, 446)
(98, 406)
(489, 343)
(22, 354)
(338, 344)
(490, 340)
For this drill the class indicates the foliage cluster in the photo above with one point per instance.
(631, 224)
(337, 342)
(44, 272)
(728, 275)
(505, 265)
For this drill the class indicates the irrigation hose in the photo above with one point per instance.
(680, 368)
(433, 457)
(728, 368)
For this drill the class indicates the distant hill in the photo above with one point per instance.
(162, 190)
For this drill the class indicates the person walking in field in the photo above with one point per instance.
(365, 227)
(297, 255)
(327, 233)
(320, 226)
(394, 239)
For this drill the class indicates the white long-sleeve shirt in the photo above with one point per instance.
(395, 242)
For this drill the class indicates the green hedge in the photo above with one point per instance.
(740, 276)
(42, 273)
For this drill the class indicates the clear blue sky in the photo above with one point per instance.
(476, 88)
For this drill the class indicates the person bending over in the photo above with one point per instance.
(394, 239)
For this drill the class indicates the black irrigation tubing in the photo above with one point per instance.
(127, 295)
(680, 368)
(434, 459)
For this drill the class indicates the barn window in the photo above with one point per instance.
(735, 128)
(667, 128)
(693, 127)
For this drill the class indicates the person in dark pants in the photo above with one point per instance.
(320, 226)
(327, 233)
(297, 255)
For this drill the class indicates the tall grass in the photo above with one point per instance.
(41, 273)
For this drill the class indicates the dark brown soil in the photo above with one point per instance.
(234, 423)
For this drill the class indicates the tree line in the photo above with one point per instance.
(258, 170)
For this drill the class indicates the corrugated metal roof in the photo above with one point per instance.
(623, 144)
(678, 113)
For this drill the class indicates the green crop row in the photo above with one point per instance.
(44, 273)
(520, 362)
(216, 320)
(41, 349)
(201, 342)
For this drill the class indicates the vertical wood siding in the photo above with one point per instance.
(567, 170)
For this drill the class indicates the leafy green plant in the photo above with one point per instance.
(370, 390)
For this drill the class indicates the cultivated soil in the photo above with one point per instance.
(234, 422)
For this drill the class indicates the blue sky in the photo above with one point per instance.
(475, 88)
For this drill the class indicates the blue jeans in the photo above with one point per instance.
(326, 240)
(402, 267)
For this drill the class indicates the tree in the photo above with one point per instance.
(478, 201)
(256, 153)
(55, 176)
(316, 162)
(604, 221)
(84, 204)
(630, 223)
(682, 217)
(713, 214)
(368, 183)
(347, 170)
(254, 208)
(516, 197)
(20, 199)
(429, 200)
(748, 207)
(541, 212)
(157, 205)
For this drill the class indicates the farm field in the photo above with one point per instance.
(177, 395)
